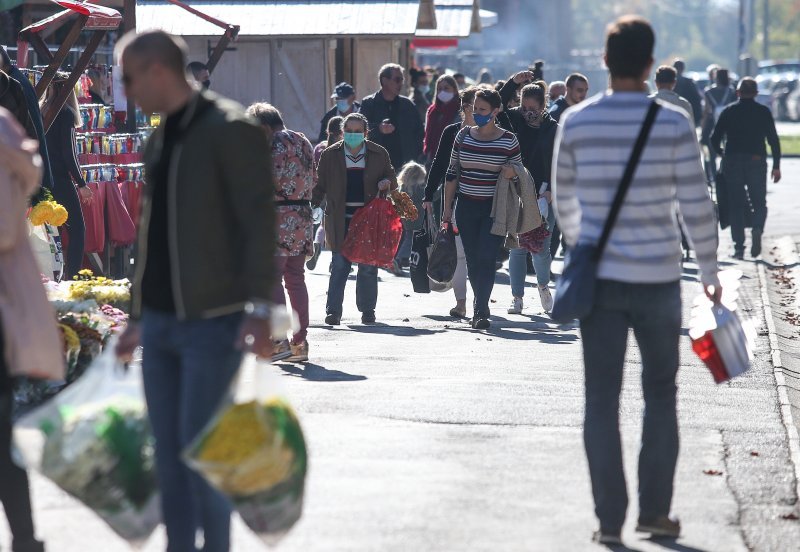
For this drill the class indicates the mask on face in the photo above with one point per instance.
(482, 120)
(353, 139)
(342, 105)
(424, 88)
(533, 118)
(207, 84)
(445, 96)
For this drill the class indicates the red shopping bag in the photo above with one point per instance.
(121, 230)
(374, 234)
(94, 219)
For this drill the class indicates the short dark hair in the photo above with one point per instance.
(679, 65)
(416, 74)
(748, 87)
(155, 46)
(723, 77)
(492, 97)
(335, 125)
(666, 75)
(195, 67)
(356, 117)
(576, 77)
(459, 76)
(536, 90)
(629, 46)
(468, 96)
(266, 114)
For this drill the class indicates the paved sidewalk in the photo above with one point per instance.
(427, 435)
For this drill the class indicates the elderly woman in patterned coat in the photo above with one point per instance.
(293, 159)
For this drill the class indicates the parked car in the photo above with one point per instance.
(777, 84)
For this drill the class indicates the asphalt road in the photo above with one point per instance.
(427, 435)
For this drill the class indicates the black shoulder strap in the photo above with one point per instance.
(627, 177)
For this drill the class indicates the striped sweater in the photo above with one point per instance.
(593, 145)
(481, 162)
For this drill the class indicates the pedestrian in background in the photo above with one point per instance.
(433, 196)
(577, 88)
(200, 73)
(420, 87)
(557, 90)
(666, 79)
(443, 111)
(745, 126)
(536, 132)
(344, 95)
(717, 98)
(29, 340)
(394, 122)
(204, 281)
(351, 173)
(639, 273)
(69, 186)
(293, 173)
(478, 159)
(410, 180)
(687, 88)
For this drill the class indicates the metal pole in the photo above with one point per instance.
(765, 53)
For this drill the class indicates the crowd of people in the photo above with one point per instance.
(204, 292)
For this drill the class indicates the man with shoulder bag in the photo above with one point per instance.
(623, 268)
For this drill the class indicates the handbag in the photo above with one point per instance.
(444, 257)
(575, 288)
(421, 241)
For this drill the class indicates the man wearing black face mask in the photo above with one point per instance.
(200, 73)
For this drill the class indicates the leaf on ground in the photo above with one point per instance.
(492, 300)
(712, 472)
(405, 320)
(406, 295)
(754, 453)
(792, 516)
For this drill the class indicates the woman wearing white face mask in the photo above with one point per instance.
(443, 111)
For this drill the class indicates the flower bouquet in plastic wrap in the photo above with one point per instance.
(722, 340)
(94, 441)
(253, 451)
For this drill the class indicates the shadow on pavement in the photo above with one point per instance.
(400, 331)
(774, 266)
(672, 544)
(314, 372)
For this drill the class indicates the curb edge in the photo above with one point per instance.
(780, 381)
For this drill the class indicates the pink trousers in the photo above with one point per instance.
(290, 272)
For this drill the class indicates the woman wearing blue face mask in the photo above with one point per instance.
(350, 174)
(344, 98)
(480, 155)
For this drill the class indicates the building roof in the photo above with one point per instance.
(305, 18)
(454, 19)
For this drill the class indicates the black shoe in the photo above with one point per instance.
(333, 320)
(368, 317)
(32, 545)
(311, 264)
(738, 255)
(755, 249)
(480, 323)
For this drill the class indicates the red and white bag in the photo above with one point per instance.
(721, 341)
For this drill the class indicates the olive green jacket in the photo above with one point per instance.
(221, 218)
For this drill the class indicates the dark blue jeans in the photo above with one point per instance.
(188, 368)
(745, 175)
(653, 311)
(480, 247)
(366, 286)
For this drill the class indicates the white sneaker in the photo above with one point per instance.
(281, 350)
(546, 298)
(516, 306)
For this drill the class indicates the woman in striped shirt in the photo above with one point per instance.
(480, 155)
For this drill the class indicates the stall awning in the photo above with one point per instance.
(100, 18)
(284, 19)
(454, 19)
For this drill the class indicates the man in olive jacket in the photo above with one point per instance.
(204, 271)
(350, 174)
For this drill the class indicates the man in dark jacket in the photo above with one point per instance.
(687, 88)
(394, 122)
(205, 271)
(12, 97)
(746, 125)
(344, 95)
(34, 113)
(577, 89)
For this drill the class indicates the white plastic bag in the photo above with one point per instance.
(254, 452)
(94, 441)
(719, 337)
